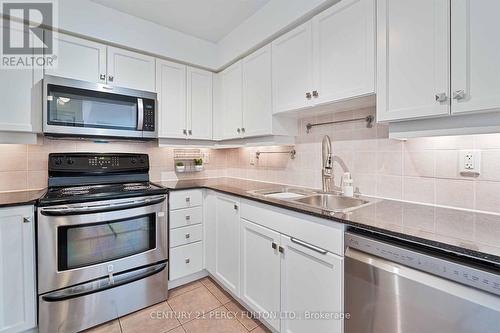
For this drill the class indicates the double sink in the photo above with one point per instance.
(332, 202)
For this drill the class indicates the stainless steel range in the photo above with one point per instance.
(101, 239)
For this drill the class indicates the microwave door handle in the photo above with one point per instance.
(140, 115)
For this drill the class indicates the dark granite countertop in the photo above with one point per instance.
(466, 233)
(19, 198)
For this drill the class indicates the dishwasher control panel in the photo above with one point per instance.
(447, 269)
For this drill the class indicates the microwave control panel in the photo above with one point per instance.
(149, 115)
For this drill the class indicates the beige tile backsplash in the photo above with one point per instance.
(422, 170)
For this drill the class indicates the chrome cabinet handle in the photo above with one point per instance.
(281, 249)
(102, 77)
(190, 132)
(274, 245)
(187, 260)
(441, 97)
(315, 93)
(243, 130)
(309, 246)
(188, 217)
(187, 236)
(235, 207)
(238, 130)
(308, 95)
(27, 219)
(184, 131)
(188, 199)
(459, 94)
(110, 78)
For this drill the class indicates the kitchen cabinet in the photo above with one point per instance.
(311, 282)
(231, 101)
(227, 245)
(413, 59)
(344, 51)
(171, 89)
(475, 56)
(130, 69)
(199, 103)
(79, 59)
(260, 270)
(292, 69)
(17, 270)
(21, 95)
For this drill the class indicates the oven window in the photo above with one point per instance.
(83, 108)
(90, 244)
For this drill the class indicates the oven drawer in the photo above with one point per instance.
(186, 260)
(186, 235)
(185, 217)
(185, 199)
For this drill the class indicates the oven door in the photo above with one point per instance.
(80, 108)
(86, 241)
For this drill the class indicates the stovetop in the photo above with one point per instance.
(74, 194)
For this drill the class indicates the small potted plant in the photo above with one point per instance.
(198, 164)
(180, 167)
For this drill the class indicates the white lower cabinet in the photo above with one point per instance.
(17, 270)
(311, 286)
(260, 270)
(186, 260)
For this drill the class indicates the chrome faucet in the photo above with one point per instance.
(327, 159)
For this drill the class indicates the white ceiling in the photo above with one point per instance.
(207, 19)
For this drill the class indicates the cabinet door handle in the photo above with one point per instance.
(238, 130)
(315, 93)
(187, 260)
(274, 245)
(441, 97)
(309, 246)
(459, 94)
(243, 130)
(184, 131)
(235, 207)
(110, 78)
(188, 217)
(308, 95)
(102, 77)
(190, 132)
(188, 236)
(281, 249)
(188, 199)
(27, 219)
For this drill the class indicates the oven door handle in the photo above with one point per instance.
(103, 284)
(72, 210)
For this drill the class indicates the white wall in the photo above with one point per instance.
(263, 26)
(90, 19)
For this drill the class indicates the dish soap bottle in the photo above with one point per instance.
(347, 185)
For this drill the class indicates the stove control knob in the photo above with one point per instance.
(133, 160)
(142, 161)
(70, 161)
(58, 161)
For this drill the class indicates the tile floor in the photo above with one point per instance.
(198, 307)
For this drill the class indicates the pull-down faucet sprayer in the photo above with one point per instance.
(327, 160)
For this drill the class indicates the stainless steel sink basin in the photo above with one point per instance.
(332, 202)
(283, 193)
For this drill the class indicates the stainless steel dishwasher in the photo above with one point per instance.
(396, 287)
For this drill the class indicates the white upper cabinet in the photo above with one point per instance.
(475, 56)
(80, 59)
(292, 69)
(413, 59)
(171, 88)
(344, 51)
(199, 103)
(17, 270)
(257, 93)
(231, 101)
(130, 69)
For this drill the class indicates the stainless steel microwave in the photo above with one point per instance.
(86, 109)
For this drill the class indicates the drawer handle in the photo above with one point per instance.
(274, 245)
(187, 236)
(281, 249)
(188, 217)
(187, 260)
(188, 199)
(309, 246)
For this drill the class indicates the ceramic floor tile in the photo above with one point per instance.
(109, 327)
(176, 330)
(193, 303)
(183, 289)
(261, 329)
(217, 321)
(155, 319)
(216, 290)
(243, 316)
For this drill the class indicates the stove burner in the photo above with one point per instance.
(76, 190)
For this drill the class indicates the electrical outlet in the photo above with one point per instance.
(251, 157)
(469, 162)
(206, 157)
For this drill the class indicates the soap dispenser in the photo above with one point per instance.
(347, 185)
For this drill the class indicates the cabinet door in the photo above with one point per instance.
(311, 282)
(130, 69)
(475, 50)
(227, 244)
(344, 51)
(171, 88)
(20, 91)
(412, 59)
(260, 270)
(292, 69)
(231, 90)
(257, 93)
(17, 270)
(79, 59)
(199, 103)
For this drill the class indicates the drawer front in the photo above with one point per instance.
(187, 216)
(186, 235)
(186, 199)
(186, 260)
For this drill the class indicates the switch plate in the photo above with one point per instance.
(469, 162)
